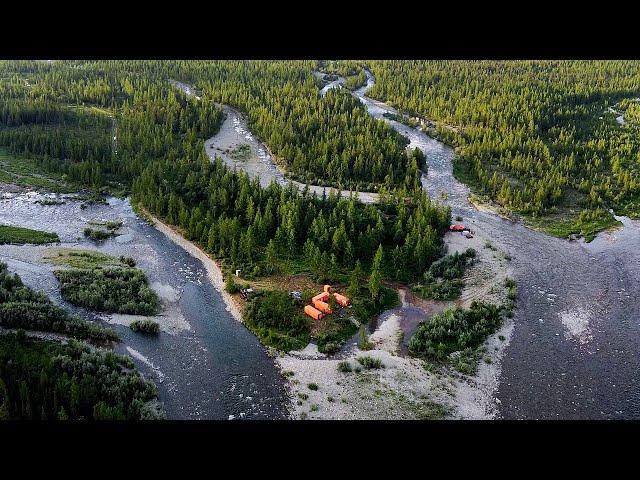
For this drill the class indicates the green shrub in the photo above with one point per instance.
(313, 386)
(230, 285)
(97, 234)
(147, 326)
(454, 330)
(344, 367)
(329, 348)
(512, 289)
(116, 290)
(128, 261)
(370, 362)
(277, 320)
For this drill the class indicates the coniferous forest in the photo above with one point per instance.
(541, 139)
(537, 137)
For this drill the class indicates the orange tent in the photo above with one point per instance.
(341, 299)
(323, 297)
(313, 313)
(323, 307)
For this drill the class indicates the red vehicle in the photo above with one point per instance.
(457, 228)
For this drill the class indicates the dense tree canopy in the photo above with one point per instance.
(531, 134)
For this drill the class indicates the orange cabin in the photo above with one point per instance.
(341, 299)
(323, 307)
(313, 312)
(322, 297)
(327, 288)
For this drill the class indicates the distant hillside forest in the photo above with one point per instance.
(537, 137)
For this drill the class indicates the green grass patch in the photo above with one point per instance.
(84, 259)
(560, 226)
(27, 172)
(20, 236)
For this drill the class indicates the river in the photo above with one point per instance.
(574, 349)
(205, 363)
(572, 355)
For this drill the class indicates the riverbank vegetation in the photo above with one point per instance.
(20, 236)
(146, 326)
(352, 71)
(22, 170)
(43, 380)
(457, 335)
(22, 308)
(536, 137)
(114, 290)
(443, 279)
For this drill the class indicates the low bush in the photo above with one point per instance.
(344, 367)
(146, 326)
(277, 320)
(128, 261)
(370, 362)
(97, 234)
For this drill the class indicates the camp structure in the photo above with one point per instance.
(323, 307)
(322, 297)
(341, 300)
(313, 312)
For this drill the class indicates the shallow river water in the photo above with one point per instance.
(206, 364)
